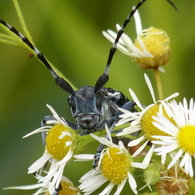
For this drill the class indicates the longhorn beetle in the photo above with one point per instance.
(91, 107)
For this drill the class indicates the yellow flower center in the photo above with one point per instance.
(67, 188)
(116, 165)
(146, 122)
(157, 43)
(186, 137)
(58, 141)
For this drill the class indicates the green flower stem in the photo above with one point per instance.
(21, 19)
(158, 83)
(192, 187)
(4, 36)
(5, 39)
(121, 127)
(10, 38)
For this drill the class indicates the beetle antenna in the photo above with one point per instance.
(59, 80)
(105, 76)
(172, 4)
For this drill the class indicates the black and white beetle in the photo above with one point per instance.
(91, 107)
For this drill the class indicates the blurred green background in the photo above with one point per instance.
(69, 34)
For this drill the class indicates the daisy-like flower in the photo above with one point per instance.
(180, 134)
(151, 48)
(115, 166)
(142, 121)
(60, 144)
(66, 188)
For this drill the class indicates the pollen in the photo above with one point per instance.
(147, 122)
(58, 141)
(115, 165)
(157, 43)
(186, 137)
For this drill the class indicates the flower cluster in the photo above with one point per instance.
(155, 141)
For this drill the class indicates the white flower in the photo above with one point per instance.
(58, 149)
(180, 130)
(151, 48)
(66, 185)
(115, 166)
(142, 121)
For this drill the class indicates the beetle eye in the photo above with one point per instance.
(72, 104)
(98, 101)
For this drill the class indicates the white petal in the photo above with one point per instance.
(187, 163)
(103, 140)
(140, 149)
(37, 165)
(138, 23)
(90, 173)
(137, 165)
(108, 133)
(132, 50)
(41, 129)
(91, 184)
(136, 142)
(108, 189)
(25, 187)
(148, 157)
(132, 183)
(171, 97)
(175, 158)
(165, 141)
(145, 53)
(165, 149)
(161, 69)
(163, 158)
(63, 134)
(129, 130)
(120, 187)
(108, 36)
(148, 82)
(68, 143)
(84, 157)
(59, 120)
(165, 125)
(66, 158)
(135, 99)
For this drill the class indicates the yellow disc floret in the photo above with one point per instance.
(115, 165)
(186, 137)
(66, 188)
(147, 122)
(58, 141)
(156, 42)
